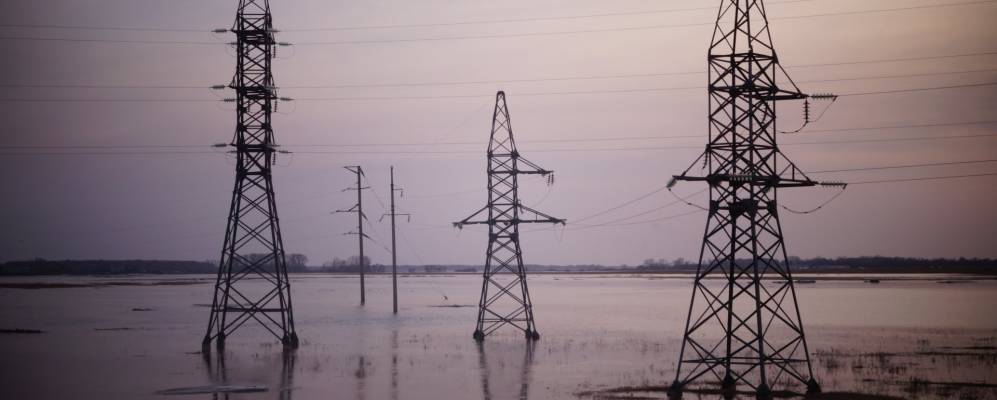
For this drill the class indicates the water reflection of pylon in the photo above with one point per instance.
(218, 374)
(524, 379)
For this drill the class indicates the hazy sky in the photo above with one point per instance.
(157, 201)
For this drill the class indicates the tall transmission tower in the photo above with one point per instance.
(505, 297)
(358, 208)
(744, 327)
(394, 252)
(253, 247)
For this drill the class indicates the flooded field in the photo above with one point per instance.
(603, 337)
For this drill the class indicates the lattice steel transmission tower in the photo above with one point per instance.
(505, 297)
(252, 277)
(744, 326)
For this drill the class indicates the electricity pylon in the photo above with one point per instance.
(358, 208)
(505, 297)
(252, 279)
(744, 328)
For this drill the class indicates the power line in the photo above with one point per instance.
(624, 204)
(918, 89)
(102, 28)
(118, 41)
(928, 178)
(897, 59)
(613, 91)
(697, 211)
(457, 83)
(367, 27)
(418, 144)
(938, 164)
(621, 29)
(511, 20)
(493, 36)
(525, 80)
(95, 86)
(552, 150)
(908, 126)
(919, 138)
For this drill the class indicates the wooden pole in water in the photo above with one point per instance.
(394, 259)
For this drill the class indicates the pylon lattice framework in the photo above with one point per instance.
(744, 328)
(252, 279)
(505, 296)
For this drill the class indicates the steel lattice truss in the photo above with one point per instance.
(252, 279)
(505, 297)
(744, 325)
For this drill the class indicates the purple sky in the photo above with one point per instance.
(173, 204)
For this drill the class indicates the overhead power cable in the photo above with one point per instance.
(937, 164)
(553, 150)
(372, 27)
(508, 35)
(558, 93)
(420, 144)
(617, 207)
(526, 80)
(926, 178)
(514, 20)
(102, 28)
(635, 28)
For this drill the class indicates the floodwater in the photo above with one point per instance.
(603, 337)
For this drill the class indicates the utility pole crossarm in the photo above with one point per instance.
(351, 233)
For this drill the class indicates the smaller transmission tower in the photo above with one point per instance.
(361, 217)
(394, 252)
(505, 297)
(252, 279)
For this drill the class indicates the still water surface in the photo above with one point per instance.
(916, 338)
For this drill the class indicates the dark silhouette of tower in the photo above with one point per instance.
(394, 247)
(505, 297)
(358, 208)
(252, 276)
(744, 327)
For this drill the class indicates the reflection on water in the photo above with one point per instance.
(605, 337)
(394, 364)
(218, 376)
(524, 372)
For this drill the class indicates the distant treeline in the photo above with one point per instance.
(296, 264)
(855, 264)
(105, 267)
(38, 266)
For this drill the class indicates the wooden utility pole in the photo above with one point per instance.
(394, 252)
